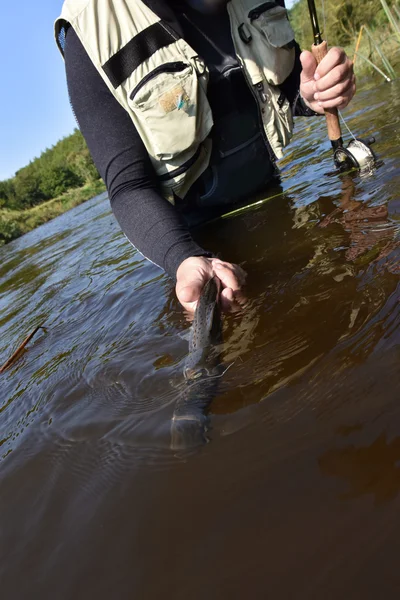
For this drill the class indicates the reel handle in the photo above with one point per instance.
(331, 114)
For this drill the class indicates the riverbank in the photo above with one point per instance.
(14, 223)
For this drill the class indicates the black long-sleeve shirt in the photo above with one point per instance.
(154, 226)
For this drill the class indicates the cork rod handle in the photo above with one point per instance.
(331, 114)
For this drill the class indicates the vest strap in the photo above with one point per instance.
(120, 66)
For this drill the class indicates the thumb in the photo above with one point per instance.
(190, 284)
(189, 291)
(309, 65)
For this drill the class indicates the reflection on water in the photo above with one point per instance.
(301, 472)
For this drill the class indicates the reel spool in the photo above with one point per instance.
(357, 155)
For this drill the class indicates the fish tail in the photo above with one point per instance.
(188, 430)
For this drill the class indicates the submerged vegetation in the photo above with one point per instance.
(61, 178)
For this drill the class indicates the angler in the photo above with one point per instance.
(186, 106)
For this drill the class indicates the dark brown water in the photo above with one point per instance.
(297, 493)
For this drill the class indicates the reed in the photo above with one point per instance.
(21, 348)
(391, 72)
(397, 11)
(391, 18)
(374, 66)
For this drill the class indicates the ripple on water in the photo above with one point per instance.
(92, 397)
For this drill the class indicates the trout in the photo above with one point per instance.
(202, 371)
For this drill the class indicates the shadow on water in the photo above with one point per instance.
(298, 490)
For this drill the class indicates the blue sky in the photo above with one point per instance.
(34, 107)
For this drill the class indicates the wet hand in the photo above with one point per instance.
(194, 272)
(331, 84)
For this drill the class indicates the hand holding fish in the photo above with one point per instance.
(195, 271)
(331, 84)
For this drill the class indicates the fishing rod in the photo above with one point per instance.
(358, 153)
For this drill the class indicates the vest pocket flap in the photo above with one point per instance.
(271, 20)
(171, 67)
(172, 109)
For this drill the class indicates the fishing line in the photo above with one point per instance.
(327, 41)
(345, 124)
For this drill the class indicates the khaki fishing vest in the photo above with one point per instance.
(162, 83)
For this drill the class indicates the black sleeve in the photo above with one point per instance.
(149, 221)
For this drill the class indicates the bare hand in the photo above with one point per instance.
(331, 84)
(194, 272)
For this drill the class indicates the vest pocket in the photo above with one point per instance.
(172, 110)
(276, 34)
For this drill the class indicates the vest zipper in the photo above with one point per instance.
(258, 90)
(186, 165)
(172, 67)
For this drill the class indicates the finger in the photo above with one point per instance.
(231, 276)
(340, 89)
(222, 263)
(340, 101)
(309, 64)
(334, 58)
(232, 301)
(228, 301)
(338, 75)
(236, 269)
(228, 295)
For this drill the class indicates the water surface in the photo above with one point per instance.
(297, 493)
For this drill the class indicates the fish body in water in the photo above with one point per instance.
(202, 370)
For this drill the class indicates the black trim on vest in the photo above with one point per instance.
(186, 165)
(120, 66)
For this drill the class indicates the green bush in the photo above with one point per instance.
(9, 230)
(7, 192)
(65, 166)
(57, 179)
(82, 164)
(27, 190)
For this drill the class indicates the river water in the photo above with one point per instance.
(297, 493)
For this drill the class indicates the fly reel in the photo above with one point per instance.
(357, 155)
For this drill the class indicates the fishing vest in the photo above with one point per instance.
(162, 83)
